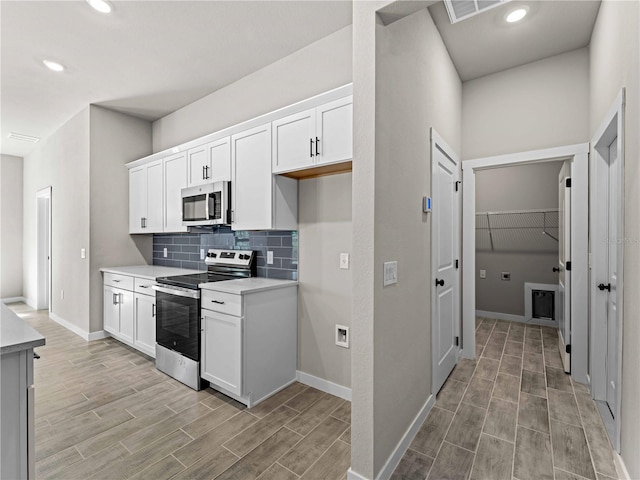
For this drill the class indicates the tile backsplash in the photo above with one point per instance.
(183, 249)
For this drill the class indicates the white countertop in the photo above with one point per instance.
(15, 333)
(150, 272)
(247, 285)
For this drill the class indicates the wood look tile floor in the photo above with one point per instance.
(104, 412)
(511, 414)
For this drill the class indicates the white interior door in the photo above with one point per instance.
(564, 262)
(43, 234)
(445, 238)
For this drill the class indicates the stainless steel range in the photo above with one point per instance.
(178, 340)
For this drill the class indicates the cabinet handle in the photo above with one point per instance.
(204, 175)
(115, 298)
(141, 222)
(217, 301)
(116, 281)
(206, 172)
(141, 286)
(153, 310)
(317, 143)
(311, 147)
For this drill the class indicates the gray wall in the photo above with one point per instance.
(115, 139)
(539, 105)
(405, 83)
(10, 226)
(317, 68)
(615, 55)
(525, 187)
(325, 291)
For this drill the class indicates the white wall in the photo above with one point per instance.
(615, 63)
(10, 226)
(411, 86)
(325, 291)
(539, 105)
(319, 67)
(524, 187)
(115, 139)
(62, 162)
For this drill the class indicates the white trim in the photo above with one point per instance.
(45, 192)
(74, 328)
(516, 318)
(351, 475)
(100, 334)
(324, 385)
(528, 305)
(397, 454)
(31, 302)
(12, 300)
(579, 301)
(621, 468)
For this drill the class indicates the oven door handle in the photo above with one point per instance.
(174, 291)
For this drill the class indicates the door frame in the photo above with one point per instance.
(43, 258)
(611, 127)
(579, 244)
(438, 142)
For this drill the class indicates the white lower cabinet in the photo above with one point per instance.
(249, 341)
(130, 311)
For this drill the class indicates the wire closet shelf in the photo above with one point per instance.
(518, 231)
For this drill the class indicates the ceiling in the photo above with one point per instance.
(486, 43)
(146, 58)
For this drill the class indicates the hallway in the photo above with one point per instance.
(511, 414)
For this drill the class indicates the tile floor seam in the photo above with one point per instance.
(317, 459)
(288, 470)
(553, 459)
(515, 442)
(177, 459)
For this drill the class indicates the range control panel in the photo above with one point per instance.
(229, 257)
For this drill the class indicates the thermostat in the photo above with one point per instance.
(426, 204)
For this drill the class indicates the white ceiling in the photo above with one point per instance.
(487, 44)
(146, 58)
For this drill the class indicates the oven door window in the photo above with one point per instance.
(194, 208)
(178, 325)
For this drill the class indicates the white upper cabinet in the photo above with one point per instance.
(175, 179)
(260, 201)
(210, 162)
(146, 198)
(319, 136)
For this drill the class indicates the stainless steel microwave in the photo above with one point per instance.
(206, 204)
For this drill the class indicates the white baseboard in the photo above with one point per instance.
(77, 330)
(516, 318)
(324, 385)
(351, 475)
(623, 473)
(12, 300)
(31, 302)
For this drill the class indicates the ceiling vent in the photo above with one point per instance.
(24, 138)
(462, 9)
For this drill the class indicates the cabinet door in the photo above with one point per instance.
(144, 333)
(220, 160)
(155, 198)
(222, 350)
(199, 165)
(126, 315)
(137, 198)
(175, 179)
(294, 141)
(111, 314)
(252, 181)
(335, 131)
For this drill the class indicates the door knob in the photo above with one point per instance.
(439, 283)
(602, 287)
(556, 269)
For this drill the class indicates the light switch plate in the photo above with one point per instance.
(202, 254)
(83, 253)
(390, 273)
(483, 274)
(164, 252)
(344, 261)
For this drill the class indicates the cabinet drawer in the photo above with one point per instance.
(143, 285)
(119, 281)
(222, 302)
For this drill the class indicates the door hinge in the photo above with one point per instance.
(457, 341)
(568, 182)
(457, 184)
(568, 266)
(568, 349)
(457, 263)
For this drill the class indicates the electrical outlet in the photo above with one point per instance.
(342, 336)
(344, 261)
(61, 294)
(483, 274)
(202, 254)
(390, 273)
(269, 257)
(164, 252)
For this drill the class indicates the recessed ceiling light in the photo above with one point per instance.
(516, 15)
(101, 6)
(55, 66)
(23, 137)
